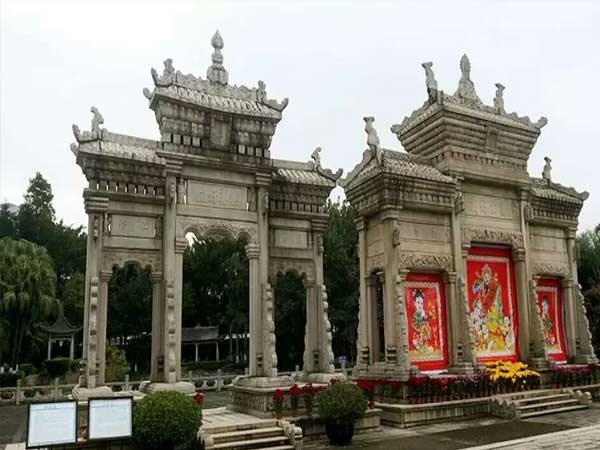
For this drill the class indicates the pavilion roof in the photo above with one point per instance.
(61, 326)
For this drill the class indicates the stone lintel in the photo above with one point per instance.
(95, 204)
(105, 275)
(449, 277)
(519, 254)
(156, 277)
(567, 283)
(173, 166)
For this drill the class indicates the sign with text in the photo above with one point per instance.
(110, 418)
(52, 423)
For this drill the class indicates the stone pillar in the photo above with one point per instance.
(96, 208)
(101, 324)
(180, 247)
(523, 300)
(157, 350)
(255, 353)
(570, 325)
(49, 348)
(195, 352)
(389, 218)
(373, 331)
(467, 349)
(363, 356)
(402, 361)
(452, 321)
(71, 348)
(538, 354)
(311, 337)
(218, 358)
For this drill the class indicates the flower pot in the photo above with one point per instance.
(340, 433)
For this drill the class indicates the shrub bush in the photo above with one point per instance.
(164, 420)
(341, 402)
(27, 369)
(57, 367)
(8, 379)
(116, 364)
(75, 363)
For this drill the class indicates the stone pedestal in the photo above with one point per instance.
(254, 395)
(322, 378)
(461, 368)
(148, 387)
(83, 394)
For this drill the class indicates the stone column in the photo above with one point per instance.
(180, 246)
(311, 337)
(157, 350)
(452, 321)
(49, 348)
(538, 355)
(389, 218)
(255, 353)
(95, 208)
(373, 347)
(402, 362)
(466, 352)
(101, 324)
(522, 292)
(363, 357)
(71, 348)
(570, 325)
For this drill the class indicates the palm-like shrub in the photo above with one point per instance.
(27, 288)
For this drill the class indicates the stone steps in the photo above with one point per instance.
(254, 433)
(254, 443)
(536, 403)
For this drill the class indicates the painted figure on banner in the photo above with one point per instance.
(492, 328)
(548, 325)
(422, 321)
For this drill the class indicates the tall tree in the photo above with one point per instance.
(8, 226)
(27, 288)
(341, 273)
(588, 273)
(35, 218)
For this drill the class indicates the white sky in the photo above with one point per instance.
(336, 61)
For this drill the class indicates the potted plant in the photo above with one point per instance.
(340, 404)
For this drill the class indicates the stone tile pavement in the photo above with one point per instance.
(585, 438)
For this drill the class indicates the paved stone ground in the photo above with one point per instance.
(490, 433)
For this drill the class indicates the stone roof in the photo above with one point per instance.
(393, 162)
(553, 191)
(61, 326)
(302, 173)
(214, 92)
(121, 146)
(199, 334)
(465, 101)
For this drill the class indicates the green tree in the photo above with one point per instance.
(341, 273)
(27, 288)
(588, 273)
(35, 218)
(73, 298)
(8, 226)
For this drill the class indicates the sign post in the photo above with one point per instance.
(51, 424)
(110, 418)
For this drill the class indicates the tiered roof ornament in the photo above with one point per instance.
(217, 73)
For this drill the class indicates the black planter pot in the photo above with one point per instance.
(340, 433)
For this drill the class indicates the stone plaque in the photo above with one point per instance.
(487, 206)
(132, 226)
(291, 238)
(217, 195)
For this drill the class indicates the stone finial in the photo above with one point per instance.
(541, 123)
(97, 120)
(499, 98)
(216, 73)
(466, 88)
(316, 157)
(430, 81)
(547, 169)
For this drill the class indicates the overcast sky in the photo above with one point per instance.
(336, 61)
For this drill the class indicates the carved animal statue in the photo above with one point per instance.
(316, 156)
(372, 137)
(97, 120)
(546, 175)
(430, 81)
(499, 98)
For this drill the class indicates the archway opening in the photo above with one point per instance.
(290, 321)
(129, 322)
(215, 304)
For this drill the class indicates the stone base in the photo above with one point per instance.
(383, 371)
(254, 395)
(321, 378)
(148, 387)
(81, 393)
(461, 368)
(585, 359)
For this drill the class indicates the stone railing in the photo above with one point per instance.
(26, 394)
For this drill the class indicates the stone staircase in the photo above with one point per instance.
(263, 434)
(528, 404)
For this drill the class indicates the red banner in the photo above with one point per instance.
(492, 303)
(550, 308)
(426, 317)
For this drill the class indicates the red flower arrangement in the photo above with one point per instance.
(295, 393)
(278, 397)
(308, 393)
(199, 398)
(368, 388)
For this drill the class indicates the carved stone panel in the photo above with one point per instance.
(487, 206)
(545, 268)
(375, 263)
(470, 235)
(418, 261)
(290, 238)
(113, 258)
(132, 226)
(205, 227)
(217, 195)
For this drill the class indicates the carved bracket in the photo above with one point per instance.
(418, 261)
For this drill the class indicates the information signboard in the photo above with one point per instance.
(110, 418)
(51, 423)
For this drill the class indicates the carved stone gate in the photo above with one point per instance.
(210, 173)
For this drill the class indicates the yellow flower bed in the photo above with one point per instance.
(513, 371)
